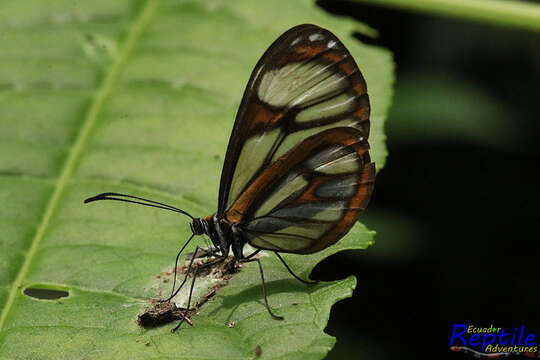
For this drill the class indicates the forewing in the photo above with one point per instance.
(305, 83)
(310, 197)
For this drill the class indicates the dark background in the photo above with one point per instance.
(456, 208)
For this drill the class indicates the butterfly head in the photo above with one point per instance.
(219, 232)
(197, 226)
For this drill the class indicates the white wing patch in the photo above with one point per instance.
(290, 185)
(339, 187)
(333, 106)
(297, 137)
(300, 83)
(276, 242)
(344, 164)
(251, 158)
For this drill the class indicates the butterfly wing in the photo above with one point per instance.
(312, 195)
(305, 83)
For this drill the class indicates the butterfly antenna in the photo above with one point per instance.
(138, 200)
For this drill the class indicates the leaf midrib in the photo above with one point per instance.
(136, 29)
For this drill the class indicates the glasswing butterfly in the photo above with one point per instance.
(297, 173)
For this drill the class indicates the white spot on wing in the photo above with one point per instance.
(296, 41)
(331, 44)
(315, 37)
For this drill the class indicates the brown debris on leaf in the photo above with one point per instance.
(223, 270)
(161, 313)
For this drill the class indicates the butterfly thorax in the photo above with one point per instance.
(223, 234)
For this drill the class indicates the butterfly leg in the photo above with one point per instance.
(204, 252)
(173, 293)
(274, 316)
(185, 316)
(176, 267)
(292, 273)
(252, 254)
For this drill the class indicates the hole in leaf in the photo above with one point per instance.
(45, 293)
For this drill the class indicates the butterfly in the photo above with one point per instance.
(297, 173)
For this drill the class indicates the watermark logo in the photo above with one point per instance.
(494, 341)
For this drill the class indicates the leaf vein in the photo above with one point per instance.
(111, 77)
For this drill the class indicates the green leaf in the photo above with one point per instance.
(140, 97)
(508, 13)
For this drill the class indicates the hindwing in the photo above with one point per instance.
(310, 197)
